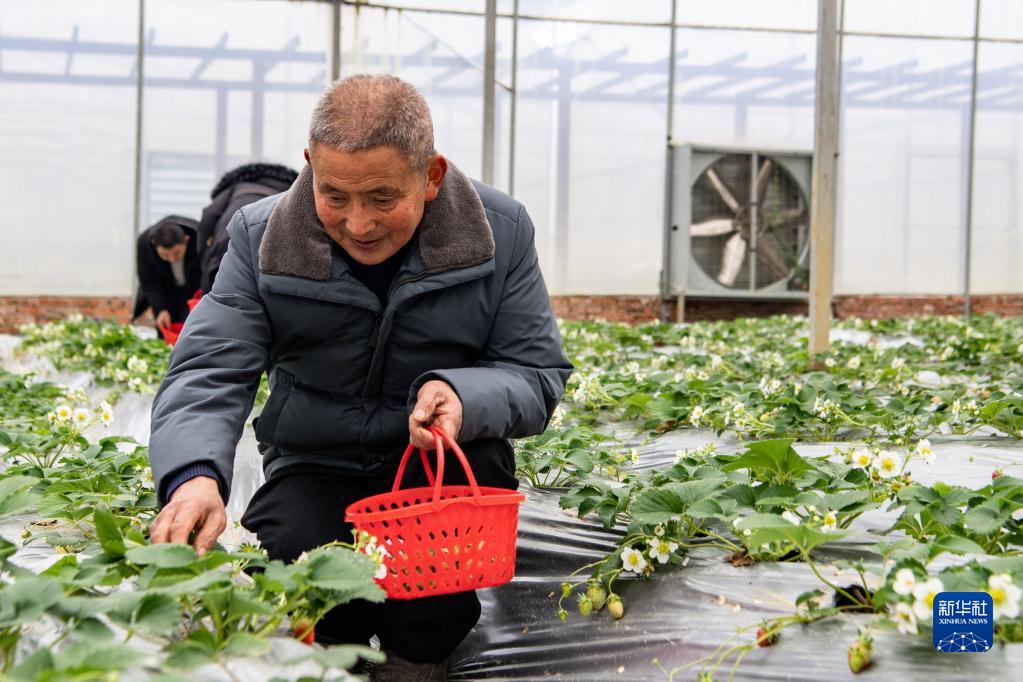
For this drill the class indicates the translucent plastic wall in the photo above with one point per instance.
(232, 81)
(67, 148)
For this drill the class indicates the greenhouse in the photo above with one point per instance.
(511, 339)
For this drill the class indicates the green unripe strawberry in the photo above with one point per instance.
(585, 605)
(566, 590)
(859, 655)
(597, 595)
(615, 606)
(563, 615)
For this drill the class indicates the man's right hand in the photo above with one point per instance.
(163, 318)
(195, 505)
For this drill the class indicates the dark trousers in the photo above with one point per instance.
(295, 512)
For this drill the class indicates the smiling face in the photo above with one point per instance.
(371, 201)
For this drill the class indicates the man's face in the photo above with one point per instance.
(370, 202)
(172, 254)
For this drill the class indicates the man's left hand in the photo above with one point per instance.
(436, 405)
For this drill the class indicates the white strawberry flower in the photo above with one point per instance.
(1005, 596)
(659, 531)
(136, 364)
(862, 458)
(905, 581)
(956, 407)
(888, 464)
(634, 456)
(135, 384)
(120, 375)
(898, 363)
(924, 594)
(106, 416)
(854, 362)
(558, 417)
(905, 619)
(63, 412)
(81, 417)
(829, 362)
(679, 456)
(661, 549)
(924, 451)
(695, 415)
(830, 523)
(632, 560)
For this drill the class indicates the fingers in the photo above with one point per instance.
(215, 524)
(158, 532)
(195, 506)
(430, 397)
(185, 521)
(437, 405)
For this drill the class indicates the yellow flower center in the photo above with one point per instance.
(997, 595)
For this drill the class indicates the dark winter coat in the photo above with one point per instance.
(239, 187)
(157, 288)
(468, 306)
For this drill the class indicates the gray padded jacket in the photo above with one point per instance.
(468, 306)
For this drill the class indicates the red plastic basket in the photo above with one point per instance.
(194, 301)
(171, 333)
(441, 539)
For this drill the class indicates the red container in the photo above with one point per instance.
(441, 539)
(171, 333)
(194, 301)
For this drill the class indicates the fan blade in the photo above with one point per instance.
(763, 180)
(731, 259)
(722, 188)
(768, 247)
(712, 228)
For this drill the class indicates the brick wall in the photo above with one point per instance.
(18, 310)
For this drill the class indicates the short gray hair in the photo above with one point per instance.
(366, 111)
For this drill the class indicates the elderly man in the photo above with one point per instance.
(384, 292)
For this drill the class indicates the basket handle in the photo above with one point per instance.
(404, 461)
(439, 437)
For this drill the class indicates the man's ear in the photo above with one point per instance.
(435, 172)
(305, 153)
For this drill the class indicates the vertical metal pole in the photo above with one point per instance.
(489, 87)
(136, 224)
(258, 92)
(669, 186)
(753, 223)
(220, 158)
(335, 40)
(824, 185)
(968, 236)
(563, 156)
(514, 96)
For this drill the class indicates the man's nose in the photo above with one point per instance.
(358, 222)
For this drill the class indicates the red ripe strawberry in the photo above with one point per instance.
(303, 630)
(996, 473)
(765, 639)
